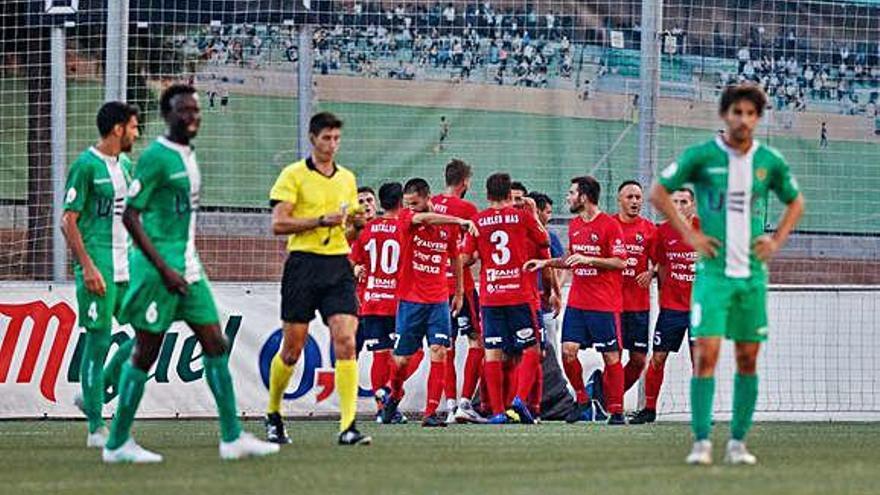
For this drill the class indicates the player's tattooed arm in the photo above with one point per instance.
(441, 219)
(174, 282)
(91, 275)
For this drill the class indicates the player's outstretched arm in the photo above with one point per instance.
(612, 263)
(429, 218)
(767, 245)
(662, 200)
(91, 275)
(174, 282)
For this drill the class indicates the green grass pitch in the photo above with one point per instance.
(242, 151)
(40, 457)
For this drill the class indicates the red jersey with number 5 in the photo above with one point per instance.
(676, 259)
(507, 237)
(593, 288)
(378, 250)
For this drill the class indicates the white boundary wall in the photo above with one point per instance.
(820, 362)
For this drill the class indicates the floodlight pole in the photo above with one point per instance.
(649, 96)
(116, 68)
(59, 150)
(304, 93)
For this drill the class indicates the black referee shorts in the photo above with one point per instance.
(314, 282)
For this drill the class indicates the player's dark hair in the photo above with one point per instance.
(745, 91)
(687, 190)
(457, 171)
(115, 113)
(324, 120)
(366, 189)
(390, 195)
(589, 187)
(541, 200)
(417, 186)
(518, 186)
(498, 187)
(628, 183)
(170, 93)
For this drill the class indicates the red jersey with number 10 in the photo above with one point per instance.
(638, 238)
(507, 237)
(378, 250)
(425, 251)
(593, 288)
(456, 207)
(677, 259)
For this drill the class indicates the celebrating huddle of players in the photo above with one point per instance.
(397, 280)
(415, 283)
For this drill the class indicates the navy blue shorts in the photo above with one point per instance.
(670, 330)
(418, 321)
(509, 328)
(467, 323)
(377, 332)
(634, 329)
(591, 329)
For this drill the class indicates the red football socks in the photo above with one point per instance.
(575, 374)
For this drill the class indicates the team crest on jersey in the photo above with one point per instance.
(640, 238)
(594, 237)
(443, 234)
(761, 174)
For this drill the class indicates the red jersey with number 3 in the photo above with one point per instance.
(425, 251)
(677, 259)
(593, 288)
(638, 238)
(378, 250)
(507, 237)
(456, 207)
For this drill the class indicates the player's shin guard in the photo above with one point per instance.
(450, 380)
(575, 374)
(745, 395)
(527, 372)
(131, 390)
(380, 370)
(653, 382)
(537, 392)
(279, 378)
(347, 388)
(613, 385)
(473, 368)
(414, 362)
(220, 381)
(631, 374)
(436, 378)
(113, 369)
(702, 395)
(510, 381)
(91, 376)
(494, 386)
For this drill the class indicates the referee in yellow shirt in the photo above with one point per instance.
(313, 201)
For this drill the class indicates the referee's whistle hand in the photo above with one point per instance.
(334, 219)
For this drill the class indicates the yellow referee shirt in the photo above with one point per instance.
(313, 194)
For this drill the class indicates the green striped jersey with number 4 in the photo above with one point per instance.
(732, 192)
(165, 190)
(97, 185)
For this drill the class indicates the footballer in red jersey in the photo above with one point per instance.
(376, 259)
(676, 260)
(367, 204)
(638, 238)
(507, 235)
(596, 257)
(467, 321)
(429, 241)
